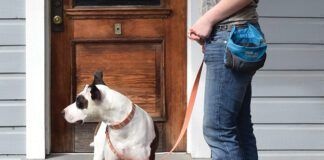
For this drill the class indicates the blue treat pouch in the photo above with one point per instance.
(245, 49)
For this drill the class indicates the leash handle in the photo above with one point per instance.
(188, 112)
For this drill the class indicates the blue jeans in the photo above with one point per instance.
(227, 125)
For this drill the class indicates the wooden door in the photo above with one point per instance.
(141, 47)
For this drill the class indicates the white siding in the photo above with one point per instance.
(13, 9)
(12, 86)
(12, 32)
(293, 30)
(291, 155)
(295, 57)
(288, 84)
(289, 136)
(12, 59)
(291, 8)
(12, 113)
(13, 140)
(288, 94)
(12, 77)
(288, 110)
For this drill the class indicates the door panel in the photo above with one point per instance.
(130, 28)
(134, 69)
(146, 62)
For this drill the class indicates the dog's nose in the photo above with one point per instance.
(63, 113)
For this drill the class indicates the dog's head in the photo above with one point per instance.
(87, 101)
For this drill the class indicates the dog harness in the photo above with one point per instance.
(119, 125)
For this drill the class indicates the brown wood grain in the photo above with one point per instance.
(176, 72)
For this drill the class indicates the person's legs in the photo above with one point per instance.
(224, 95)
(246, 137)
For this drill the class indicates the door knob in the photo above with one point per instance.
(57, 20)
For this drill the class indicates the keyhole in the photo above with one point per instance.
(118, 29)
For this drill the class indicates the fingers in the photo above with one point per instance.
(193, 36)
(196, 33)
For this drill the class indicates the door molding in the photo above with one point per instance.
(37, 79)
(89, 13)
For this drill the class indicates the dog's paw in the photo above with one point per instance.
(92, 144)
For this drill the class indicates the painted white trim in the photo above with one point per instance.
(196, 144)
(36, 91)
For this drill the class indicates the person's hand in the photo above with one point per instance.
(200, 30)
(199, 40)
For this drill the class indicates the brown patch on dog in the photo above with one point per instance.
(155, 143)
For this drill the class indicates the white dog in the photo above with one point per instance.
(126, 132)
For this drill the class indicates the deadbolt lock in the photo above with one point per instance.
(57, 20)
(118, 29)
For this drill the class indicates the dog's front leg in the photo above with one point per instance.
(99, 143)
(109, 155)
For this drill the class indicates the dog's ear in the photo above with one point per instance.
(95, 93)
(98, 78)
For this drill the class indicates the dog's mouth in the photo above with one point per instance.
(79, 122)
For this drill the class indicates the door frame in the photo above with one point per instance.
(37, 79)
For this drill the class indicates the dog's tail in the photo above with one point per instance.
(155, 143)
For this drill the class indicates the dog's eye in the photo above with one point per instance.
(81, 102)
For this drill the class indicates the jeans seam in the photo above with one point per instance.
(219, 117)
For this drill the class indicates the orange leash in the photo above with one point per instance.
(189, 111)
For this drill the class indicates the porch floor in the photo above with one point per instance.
(88, 156)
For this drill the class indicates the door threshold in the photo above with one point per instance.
(88, 156)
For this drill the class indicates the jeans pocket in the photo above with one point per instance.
(215, 46)
(214, 52)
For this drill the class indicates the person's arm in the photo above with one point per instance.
(202, 28)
